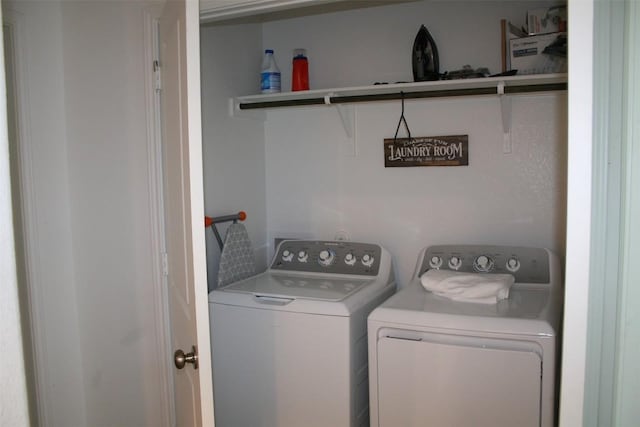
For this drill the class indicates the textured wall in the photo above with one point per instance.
(316, 187)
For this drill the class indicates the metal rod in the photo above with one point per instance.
(407, 95)
(240, 216)
(211, 222)
(535, 88)
(413, 95)
(287, 103)
(218, 237)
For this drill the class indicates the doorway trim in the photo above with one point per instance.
(34, 342)
(156, 203)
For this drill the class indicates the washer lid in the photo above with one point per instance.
(299, 286)
(528, 310)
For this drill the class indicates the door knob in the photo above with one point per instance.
(180, 359)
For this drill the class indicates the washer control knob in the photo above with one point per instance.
(287, 256)
(326, 257)
(303, 256)
(483, 264)
(350, 259)
(435, 262)
(455, 262)
(367, 260)
(513, 264)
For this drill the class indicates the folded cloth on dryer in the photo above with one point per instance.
(481, 288)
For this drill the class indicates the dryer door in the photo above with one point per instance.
(449, 380)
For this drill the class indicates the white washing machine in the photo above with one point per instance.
(289, 346)
(438, 362)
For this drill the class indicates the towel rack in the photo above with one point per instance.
(211, 222)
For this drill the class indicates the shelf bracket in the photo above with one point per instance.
(347, 116)
(505, 109)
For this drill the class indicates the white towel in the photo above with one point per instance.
(468, 287)
(237, 260)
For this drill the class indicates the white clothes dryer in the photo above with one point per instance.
(289, 346)
(438, 362)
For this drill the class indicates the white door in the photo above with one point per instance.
(184, 212)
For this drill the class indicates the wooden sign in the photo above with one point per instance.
(450, 150)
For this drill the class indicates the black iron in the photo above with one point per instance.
(424, 57)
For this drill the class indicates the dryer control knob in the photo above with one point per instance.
(455, 262)
(367, 260)
(350, 259)
(303, 256)
(287, 256)
(513, 264)
(435, 262)
(483, 264)
(326, 257)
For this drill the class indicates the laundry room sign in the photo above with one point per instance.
(452, 150)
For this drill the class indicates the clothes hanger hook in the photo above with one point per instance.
(402, 120)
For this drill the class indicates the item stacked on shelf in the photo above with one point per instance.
(541, 48)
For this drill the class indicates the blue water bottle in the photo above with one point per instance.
(270, 76)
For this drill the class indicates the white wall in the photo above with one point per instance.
(316, 188)
(233, 148)
(92, 285)
(364, 46)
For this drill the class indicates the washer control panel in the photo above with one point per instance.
(527, 265)
(328, 257)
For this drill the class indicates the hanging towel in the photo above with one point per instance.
(237, 260)
(468, 287)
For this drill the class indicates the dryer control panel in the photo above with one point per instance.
(328, 257)
(527, 265)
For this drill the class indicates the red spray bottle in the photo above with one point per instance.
(300, 74)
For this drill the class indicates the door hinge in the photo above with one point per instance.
(165, 264)
(157, 75)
